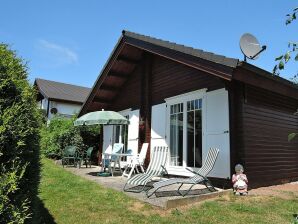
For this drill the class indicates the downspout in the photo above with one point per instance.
(48, 108)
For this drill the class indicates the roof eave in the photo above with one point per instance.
(39, 89)
(221, 71)
(264, 79)
(104, 71)
(65, 101)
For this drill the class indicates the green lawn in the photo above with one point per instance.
(71, 199)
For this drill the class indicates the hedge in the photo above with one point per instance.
(19, 141)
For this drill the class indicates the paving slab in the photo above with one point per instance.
(166, 198)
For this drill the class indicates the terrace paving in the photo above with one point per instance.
(166, 198)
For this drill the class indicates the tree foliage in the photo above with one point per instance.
(284, 58)
(19, 140)
(291, 136)
(292, 51)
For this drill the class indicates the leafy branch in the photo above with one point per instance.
(293, 49)
(284, 58)
(292, 16)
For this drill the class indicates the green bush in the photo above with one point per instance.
(57, 134)
(19, 140)
(61, 132)
(90, 135)
(91, 138)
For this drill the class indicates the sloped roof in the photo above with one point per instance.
(216, 58)
(130, 50)
(62, 91)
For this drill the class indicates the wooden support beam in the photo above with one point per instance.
(118, 75)
(109, 88)
(101, 100)
(127, 59)
(145, 108)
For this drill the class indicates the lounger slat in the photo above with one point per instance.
(199, 177)
(158, 159)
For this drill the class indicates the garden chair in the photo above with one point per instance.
(69, 154)
(115, 160)
(110, 157)
(87, 157)
(105, 158)
(155, 168)
(136, 161)
(200, 176)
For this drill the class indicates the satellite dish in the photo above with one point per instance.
(250, 46)
(53, 110)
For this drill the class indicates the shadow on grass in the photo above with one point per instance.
(42, 214)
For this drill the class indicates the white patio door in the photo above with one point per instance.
(217, 131)
(133, 131)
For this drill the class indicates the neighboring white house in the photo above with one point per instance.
(58, 98)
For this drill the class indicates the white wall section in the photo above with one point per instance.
(217, 130)
(158, 125)
(133, 131)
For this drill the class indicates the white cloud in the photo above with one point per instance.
(58, 53)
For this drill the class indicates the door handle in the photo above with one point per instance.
(226, 131)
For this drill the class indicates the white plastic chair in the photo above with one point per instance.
(109, 157)
(105, 158)
(136, 161)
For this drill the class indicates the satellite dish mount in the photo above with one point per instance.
(250, 47)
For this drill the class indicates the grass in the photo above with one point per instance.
(71, 199)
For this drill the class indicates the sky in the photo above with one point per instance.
(70, 40)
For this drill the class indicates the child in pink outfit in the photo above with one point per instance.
(239, 181)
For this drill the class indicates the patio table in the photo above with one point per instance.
(118, 158)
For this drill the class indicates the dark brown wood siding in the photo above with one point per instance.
(129, 95)
(264, 120)
(170, 78)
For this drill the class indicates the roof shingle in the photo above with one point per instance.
(62, 91)
(230, 62)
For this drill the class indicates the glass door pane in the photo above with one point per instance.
(117, 138)
(176, 134)
(190, 138)
(124, 138)
(194, 133)
(198, 139)
(124, 135)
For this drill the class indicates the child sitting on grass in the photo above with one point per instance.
(239, 181)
